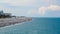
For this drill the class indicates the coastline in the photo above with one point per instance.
(12, 21)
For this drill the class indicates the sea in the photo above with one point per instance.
(36, 26)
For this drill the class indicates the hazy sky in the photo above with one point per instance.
(31, 8)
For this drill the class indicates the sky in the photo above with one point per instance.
(31, 8)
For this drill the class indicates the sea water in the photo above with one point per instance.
(36, 26)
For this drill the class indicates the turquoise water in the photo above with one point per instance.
(36, 26)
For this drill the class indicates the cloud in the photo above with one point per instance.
(42, 10)
(19, 2)
(53, 7)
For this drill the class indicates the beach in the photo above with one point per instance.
(12, 21)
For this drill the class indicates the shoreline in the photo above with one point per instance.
(12, 21)
(11, 25)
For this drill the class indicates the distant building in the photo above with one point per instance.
(1, 12)
(3, 15)
(7, 14)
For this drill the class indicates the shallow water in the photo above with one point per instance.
(36, 26)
